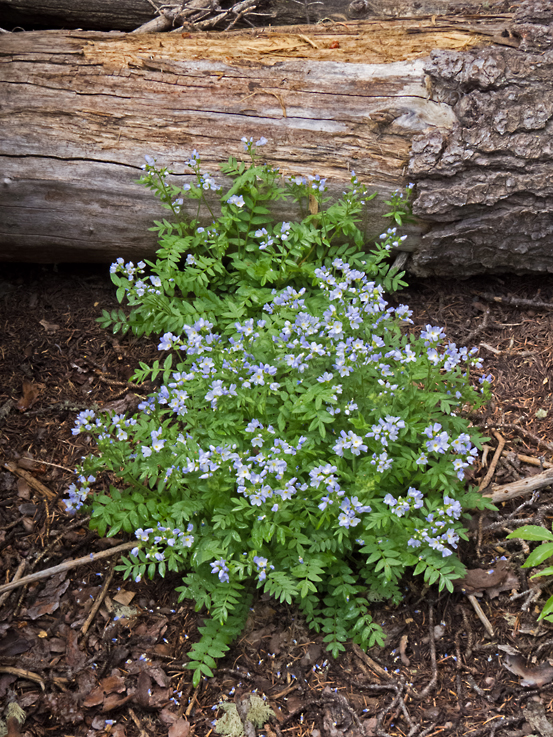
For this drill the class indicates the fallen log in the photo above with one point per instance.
(80, 111)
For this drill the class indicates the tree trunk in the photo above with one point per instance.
(127, 15)
(80, 111)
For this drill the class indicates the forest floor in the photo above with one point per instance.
(122, 672)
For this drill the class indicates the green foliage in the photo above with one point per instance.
(537, 557)
(300, 440)
(226, 271)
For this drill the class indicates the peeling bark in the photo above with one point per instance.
(486, 185)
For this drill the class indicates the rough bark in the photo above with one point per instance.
(486, 185)
(127, 15)
(79, 112)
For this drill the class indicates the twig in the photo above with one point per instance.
(30, 479)
(516, 301)
(21, 673)
(17, 575)
(479, 690)
(136, 720)
(192, 702)
(530, 460)
(495, 459)
(67, 565)
(479, 328)
(243, 707)
(519, 488)
(521, 431)
(370, 662)
(98, 602)
(480, 614)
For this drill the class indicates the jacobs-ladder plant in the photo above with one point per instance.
(301, 441)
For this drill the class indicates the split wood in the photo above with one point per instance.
(493, 464)
(67, 565)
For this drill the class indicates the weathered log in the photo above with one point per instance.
(485, 187)
(127, 15)
(79, 112)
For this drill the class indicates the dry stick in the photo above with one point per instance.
(136, 720)
(16, 577)
(530, 460)
(516, 301)
(525, 433)
(518, 488)
(370, 662)
(99, 599)
(480, 614)
(495, 459)
(66, 566)
(20, 673)
(30, 479)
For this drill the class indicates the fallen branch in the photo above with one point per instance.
(98, 602)
(517, 301)
(530, 460)
(493, 464)
(519, 488)
(67, 565)
(17, 576)
(30, 479)
(480, 614)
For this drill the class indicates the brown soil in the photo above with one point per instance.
(56, 360)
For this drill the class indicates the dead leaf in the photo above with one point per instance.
(94, 698)
(113, 683)
(124, 597)
(27, 462)
(532, 676)
(180, 728)
(334, 45)
(115, 702)
(23, 489)
(50, 327)
(144, 689)
(12, 644)
(167, 717)
(31, 393)
(493, 580)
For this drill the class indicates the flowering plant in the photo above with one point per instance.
(311, 449)
(226, 270)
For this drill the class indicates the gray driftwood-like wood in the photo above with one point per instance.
(79, 111)
(127, 15)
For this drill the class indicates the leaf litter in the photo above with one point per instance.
(439, 672)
